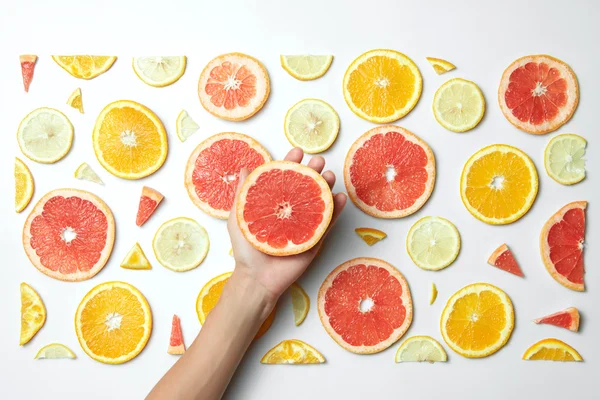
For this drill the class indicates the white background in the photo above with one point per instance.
(482, 40)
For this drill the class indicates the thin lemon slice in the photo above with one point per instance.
(440, 66)
(433, 243)
(24, 185)
(300, 303)
(293, 352)
(433, 294)
(186, 126)
(75, 100)
(564, 159)
(136, 259)
(552, 350)
(458, 105)
(420, 349)
(54, 351)
(370, 235)
(45, 135)
(312, 125)
(33, 313)
(159, 71)
(86, 173)
(306, 67)
(84, 66)
(181, 244)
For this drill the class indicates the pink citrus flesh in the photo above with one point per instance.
(149, 201)
(567, 319)
(504, 259)
(176, 345)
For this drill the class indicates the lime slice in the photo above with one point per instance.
(458, 105)
(300, 303)
(312, 125)
(306, 67)
(180, 244)
(159, 71)
(186, 126)
(564, 159)
(53, 351)
(45, 135)
(86, 173)
(24, 185)
(419, 349)
(433, 243)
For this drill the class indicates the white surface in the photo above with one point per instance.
(481, 40)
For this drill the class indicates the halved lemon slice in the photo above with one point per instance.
(86, 173)
(181, 244)
(45, 135)
(433, 243)
(458, 105)
(293, 352)
(136, 259)
(419, 349)
(370, 235)
(440, 66)
(24, 185)
(75, 100)
(564, 158)
(85, 67)
(552, 350)
(186, 126)
(300, 303)
(306, 67)
(159, 71)
(33, 313)
(433, 294)
(54, 351)
(312, 125)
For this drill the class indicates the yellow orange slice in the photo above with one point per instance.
(552, 350)
(300, 303)
(306, 67)
(136, 259)
(24, 185)
(370, 235)
(293, 352)
(54, 351)
(33, 313)
(83, 66)
(75, 100)
(45, 135)
(159, 71)
(440, 66)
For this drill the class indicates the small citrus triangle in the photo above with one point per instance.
(27, 67)
(86, 173)
(176, 344)
(75, 100)
(136, 259)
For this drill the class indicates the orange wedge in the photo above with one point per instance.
(440, 66)
(293, 352)
(552, 350)
(370, 235)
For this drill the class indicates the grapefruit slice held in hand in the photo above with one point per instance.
(503, 258)
(568, 319)
(149, 201)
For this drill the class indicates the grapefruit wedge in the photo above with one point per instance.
(27, 67)
(503, 258)
(69, 235)
(389, 172)
(176, 344)
(365, 305)
(567, 319)
(561, 245)
(149, 201)
(284, 208)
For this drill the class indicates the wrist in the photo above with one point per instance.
(251, 294)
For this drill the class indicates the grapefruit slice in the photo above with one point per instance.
(233, 86)
(568, 319)
(212, 171)
(552, 350)
(176, 344)
(538, 93)
(503, 258)
(561, 245)
(149, 201)
(284, 208)
(389, 172)
(365, 305)
(69, 235)
(370, 235)
(27, 67)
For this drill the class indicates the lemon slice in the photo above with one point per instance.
(300, 303)
(24, 185)
(440, 66)
(181, 244)
(564, 158)
(86, 173)
(159, 71)
(33, 313)
(312, 125)
(53, 351)
(45, 135)
(433, 243)
(552, 350)
(75, 100)
(458, 105)
(186, 126)
(433, 294)
(84, 66)
(306, 67)
(419, 349)
(293, 352)
(136, 259)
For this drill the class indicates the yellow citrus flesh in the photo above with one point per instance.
(300, 303)
(75, 100)
(185, 126)
(159, 71)
(85, 172)
(83, 66)
(33, 313)
(293, 352)
(312, 125)
(440, 66)
(564, 158)
(136, 259)
(306, 67)
(552, 350)
(433, 294)
(181, 244)
(53, 351)
(433, 243)
(24, 185)
(458, 105)
(370, 235)
(420, 349)
(45, 135)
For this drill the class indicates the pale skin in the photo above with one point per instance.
(258, 280)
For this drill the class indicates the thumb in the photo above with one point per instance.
(241, 179)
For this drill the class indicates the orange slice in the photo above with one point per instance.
(370, 235)
(293, 352)
(300, 303)
(27, 67)
(85, 67)
(440, 66)
(24, 185)
(567, 319)
(552, 350)
(33, 313)
(75, 100)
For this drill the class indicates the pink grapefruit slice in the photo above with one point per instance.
(284, 208)
(149, 201)
(176, 344)
(503, 259)
(69, 234)
(538, 93)
(561, 245)
(27, 67)
(212, 171)
(567, 319)
(389, 172)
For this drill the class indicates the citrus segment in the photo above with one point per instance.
(27, 67)
(458, 105)
(149, 201)
(421, 349)
(186, 126)
(433, 243)
(433, 294)
(312, 125)
(33, 313)
(552, 350)
(180, 244)
(293, 352)
(75, 100)
(24, 185)
(176, 344)
(503, 259)
(567, 319)
(306, 67)
(85, 172)
(564, 159)
(300, 303)
(159, 71)
(83, 66)
(440, 66)
(136, 259)
(370, 235)
(54, 351)
(45, 135)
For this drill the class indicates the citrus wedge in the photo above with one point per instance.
(420, 349)
(433, 294)
(567, 319)
(552, 350)
(370, 235)
(564, 159)
(75, 100)
(85, 172)
(27, 67)
(24, 185)
(312, 125)
(503, 259)
(180, 244)
(433, 243)
(45, 135)
(293, 352)
(176, 344)
(33, 313)
(440, 66)
(136, 259)
(159, 71)
(186, 126)
(306, 67)
(149, 202)
(83, 66)
(54, 351)
(300, 303)
(458, 105)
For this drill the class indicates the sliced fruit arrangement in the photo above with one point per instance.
(561, 245)
(564, 159)
(382, 86)
(75, 100)
(180, 244)
(24, 185)
(55, 351)
(213, 169)
(113, 322)
(186, 126)
(233, 86)
(176, 344)
(433, 243)
(45, 135)
(538, 93)
(129, 140)
(284, 208)
(499, 184)
(478, 320)
(306, 67)
(84, 66)
(440, 66)
(420, 349)
(33, 313)
(136, 259)
(27, 67)
(69, 234)
(368, 317)
(293, 352)
(458, 105)
(159, 71)
(389, 172)
(370, 235)
(300, 303)
(85, 172)
(433, 294)
(312, 125)
(552, 350)
(149, 202)
(567, 319)
(503, 258)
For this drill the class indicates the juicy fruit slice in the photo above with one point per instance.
(149, 201)
(538, 93)
(433, 294)
(382, 86)
(499, 184)
(186, 126)
(306, 67)
(503, 258)
(159, 71)
(552, 350)
(233, 86)
(181, 244)
(312, 125)
(568, 319)
(561, 245)
(113, 322)
(293, 352)
(75, 100)
(129, 140)
(284, 208)
(458, 105)
(33, 313)
(84, 66)
(54, 351)
(389, 172)
(433, 243)
(27, 67)
(136, 259)
(24, 185)
(176, 344)
(440, 66)
(300, 303)
(45, 135)
(213, 169)
(420, 349)
(69, 235)
(85, 172)
(564, 159)
(370, 235)
(365, 305)
(477, 320)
